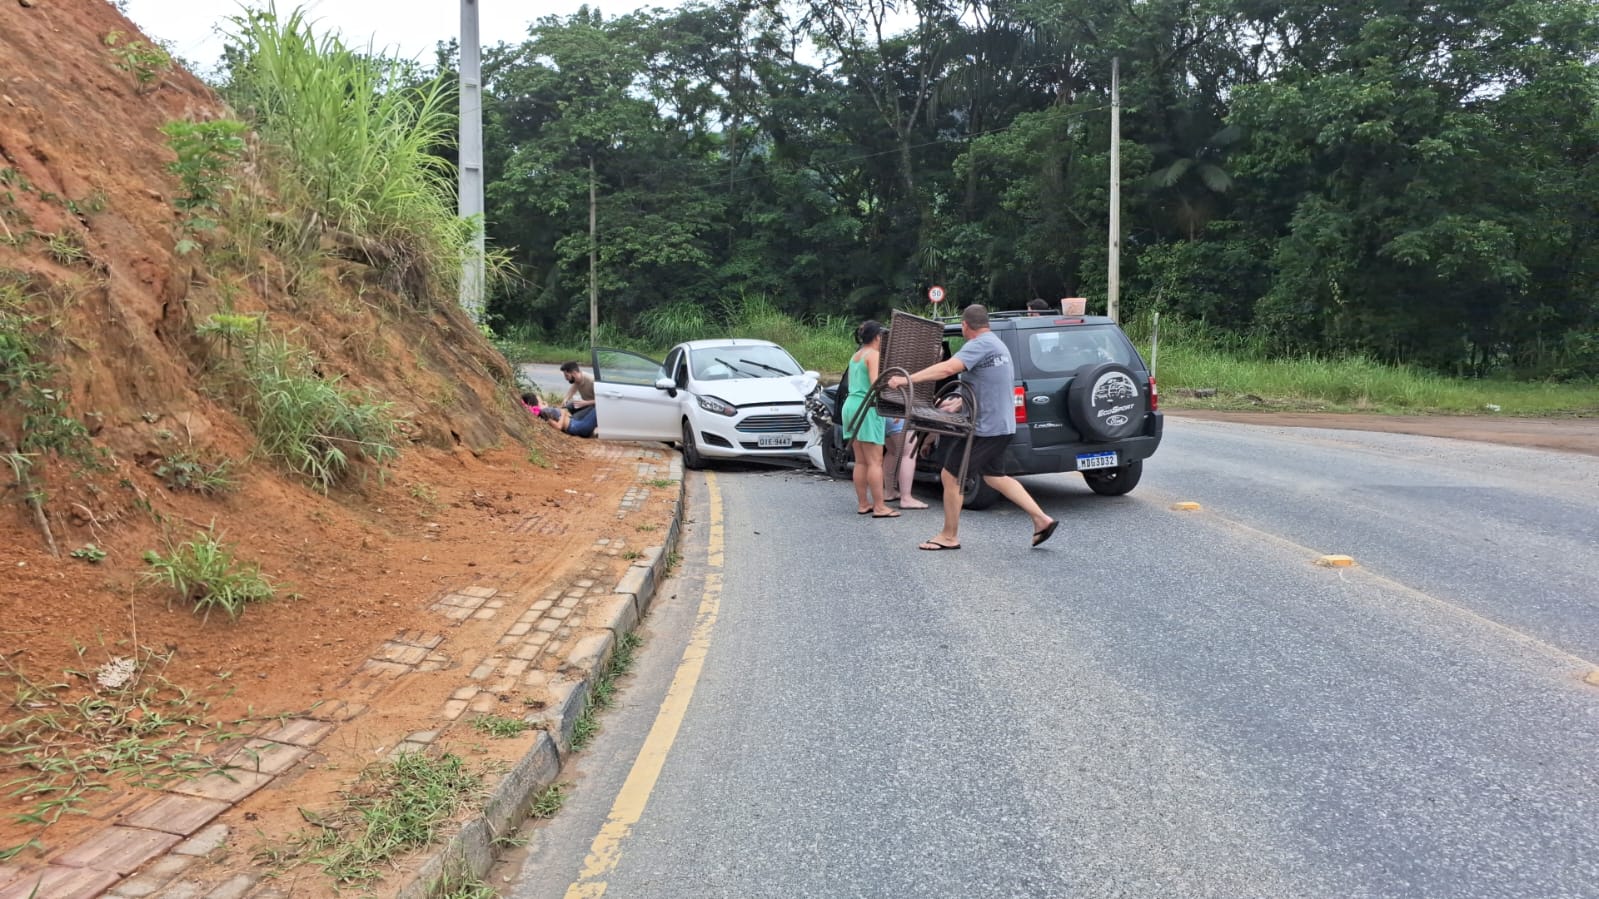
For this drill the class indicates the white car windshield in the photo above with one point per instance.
(732, 362)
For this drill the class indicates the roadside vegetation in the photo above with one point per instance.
(205, 572)
(351, 138)
(1397, 187)
(603, 695)
(1191, 357)
(392, 808)
(99, 727)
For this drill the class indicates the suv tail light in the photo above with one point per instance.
(1154, 395)
(1021, 405)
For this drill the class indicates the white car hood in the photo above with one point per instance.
(754, 391)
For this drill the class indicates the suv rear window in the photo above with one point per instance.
(1061, 351)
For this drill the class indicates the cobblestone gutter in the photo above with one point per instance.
(469, 853)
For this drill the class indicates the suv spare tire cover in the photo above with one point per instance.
(1106, 402)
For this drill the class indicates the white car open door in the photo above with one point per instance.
(628, 404)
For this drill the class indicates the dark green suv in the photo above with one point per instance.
(1084, 400)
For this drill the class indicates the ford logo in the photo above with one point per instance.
(1115, 421)
(1042, 399)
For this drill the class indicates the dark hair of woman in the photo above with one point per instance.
(868, 331)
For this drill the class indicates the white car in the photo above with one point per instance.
(720, 399)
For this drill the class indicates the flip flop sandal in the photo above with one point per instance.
(933, 546)
(1046, 533)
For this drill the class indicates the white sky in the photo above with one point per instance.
(404, 28)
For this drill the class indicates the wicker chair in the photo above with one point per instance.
(913, 344)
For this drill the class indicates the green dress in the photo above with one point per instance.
(871, 427)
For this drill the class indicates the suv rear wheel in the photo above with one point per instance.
(1115, 481)
(977, 494)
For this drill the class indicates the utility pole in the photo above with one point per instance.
(1113, 281)
(470, 173)
(594, 260)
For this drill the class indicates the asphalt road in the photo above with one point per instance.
(546, 376)
(1155, 703)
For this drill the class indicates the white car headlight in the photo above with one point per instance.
(718, 406)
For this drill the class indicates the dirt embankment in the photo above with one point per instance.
(106, 311)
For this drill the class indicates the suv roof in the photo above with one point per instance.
(1026, 319)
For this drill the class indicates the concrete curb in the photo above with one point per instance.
(469, 852)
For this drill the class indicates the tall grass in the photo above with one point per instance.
(204, 571)
(667, 326)
(355, 134)
(824, 344)
(1192, 356)
(312, 425)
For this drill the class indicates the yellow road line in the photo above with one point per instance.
(1481, 620)
(606, 850)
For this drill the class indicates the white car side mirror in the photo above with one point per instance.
(665, 384)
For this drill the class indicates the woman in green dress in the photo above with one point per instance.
(863, 425)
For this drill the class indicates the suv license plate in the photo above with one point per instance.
(782, 441)
(1089, 461)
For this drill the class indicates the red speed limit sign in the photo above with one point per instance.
(935, 294)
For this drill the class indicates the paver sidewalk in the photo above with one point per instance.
(556, 640)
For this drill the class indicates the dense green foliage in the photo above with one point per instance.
(1403, 181)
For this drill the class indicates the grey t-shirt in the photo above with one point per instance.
(993, 379)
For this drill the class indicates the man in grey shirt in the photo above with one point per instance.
(992, 377)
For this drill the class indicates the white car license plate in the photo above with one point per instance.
(1089, 461)
(775, 441)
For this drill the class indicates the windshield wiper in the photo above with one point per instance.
(726, 363)
(771, 368)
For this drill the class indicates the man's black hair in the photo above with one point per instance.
(569, 367)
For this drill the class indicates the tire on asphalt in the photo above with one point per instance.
(692, 459)
(977, 494)
(1115, 481)
(835, 454)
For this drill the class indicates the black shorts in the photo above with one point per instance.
(987, 454)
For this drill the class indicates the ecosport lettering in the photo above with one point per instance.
(1112, 410)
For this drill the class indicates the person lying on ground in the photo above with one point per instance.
(562, 420)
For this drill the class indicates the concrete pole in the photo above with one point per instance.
(1113, 281)
(594, 259)
(471, 168)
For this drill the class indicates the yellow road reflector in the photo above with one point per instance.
(1335, 561)
(1185, 507)
(1592, 678)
